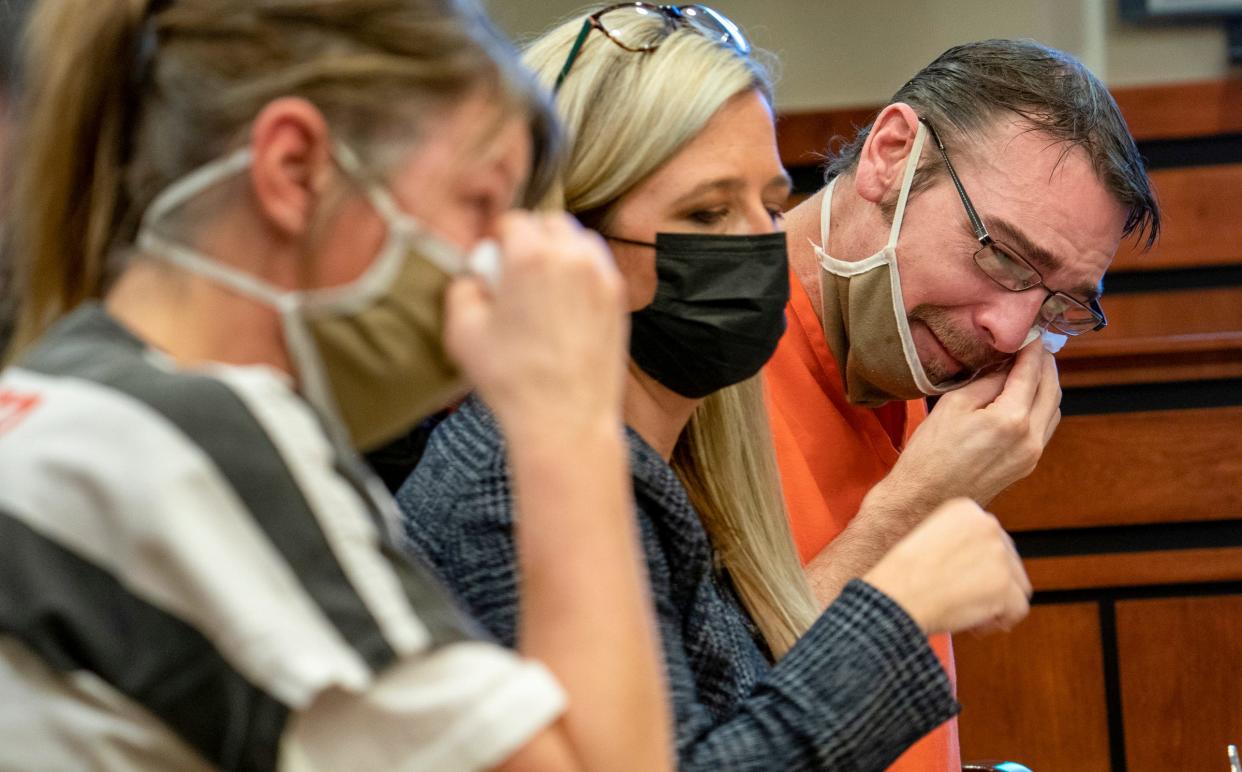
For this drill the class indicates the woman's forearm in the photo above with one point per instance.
(585, 609)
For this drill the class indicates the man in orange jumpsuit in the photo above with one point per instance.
(979, 211)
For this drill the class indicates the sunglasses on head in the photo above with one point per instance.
(617, 22)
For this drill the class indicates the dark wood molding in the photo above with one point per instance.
(1156, 359)
(1165, 111)
(1180, 110)
(1133, 569)
(804, 136)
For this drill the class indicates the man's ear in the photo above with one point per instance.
(292, 166)
(882, 162)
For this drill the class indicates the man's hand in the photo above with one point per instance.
(975, 443)
(981, 438)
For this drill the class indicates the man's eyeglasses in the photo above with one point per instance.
(617, 22)
(1004, 266)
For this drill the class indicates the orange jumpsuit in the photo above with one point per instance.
(830, 454)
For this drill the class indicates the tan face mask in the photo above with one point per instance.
(864, 316)
(369, 355)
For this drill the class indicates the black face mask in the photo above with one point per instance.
(718, 312)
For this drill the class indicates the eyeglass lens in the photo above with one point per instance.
(1005, 269)
(629, 26)
(715, 26)
(1013, 273)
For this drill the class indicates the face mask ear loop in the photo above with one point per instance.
(912, 165)
(401, 226)
(825, 214)
(908, 349)
(192, 184)
(311, 373)
(150, 241)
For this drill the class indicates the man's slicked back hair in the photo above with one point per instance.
(970, 87)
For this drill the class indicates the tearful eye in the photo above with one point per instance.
(1011, 272)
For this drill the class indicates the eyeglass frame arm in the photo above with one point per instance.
(976, 222)
(672, 14)
(587, 25)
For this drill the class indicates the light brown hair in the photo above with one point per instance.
(626, 114)
(125, 96)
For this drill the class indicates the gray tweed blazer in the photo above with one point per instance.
(857, 689)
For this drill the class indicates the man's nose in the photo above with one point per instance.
(1007, 321)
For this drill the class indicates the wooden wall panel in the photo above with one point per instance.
(803, 137)
(1168, 313)
(1181, 671)
(1169, 335)
(1200, 223)
(1153, 370)
(1178, 110)
(1036, 695)
(1129, 468)
(1157, 359)
(1133, 569)
(1167, 111)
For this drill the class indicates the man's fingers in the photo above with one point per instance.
(1046, 408)
(977, 394)
(1051, 428)
(1023, 381)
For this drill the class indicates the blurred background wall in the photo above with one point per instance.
(838, 53)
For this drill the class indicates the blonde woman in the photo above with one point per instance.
(277, 203)
(674, 161)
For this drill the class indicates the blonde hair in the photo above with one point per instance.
(125, 96)
(626, 114)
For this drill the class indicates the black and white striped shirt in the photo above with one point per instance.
(192, 577)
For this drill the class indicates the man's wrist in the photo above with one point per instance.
(894, 506)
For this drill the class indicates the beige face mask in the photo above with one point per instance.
(369, 355)
(864, 316)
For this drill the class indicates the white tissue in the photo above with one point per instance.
(1053, 341)
(484, 262)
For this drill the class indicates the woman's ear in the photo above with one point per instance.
(292, 164)
(882, 162)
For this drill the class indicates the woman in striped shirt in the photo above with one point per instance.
(248, 232)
